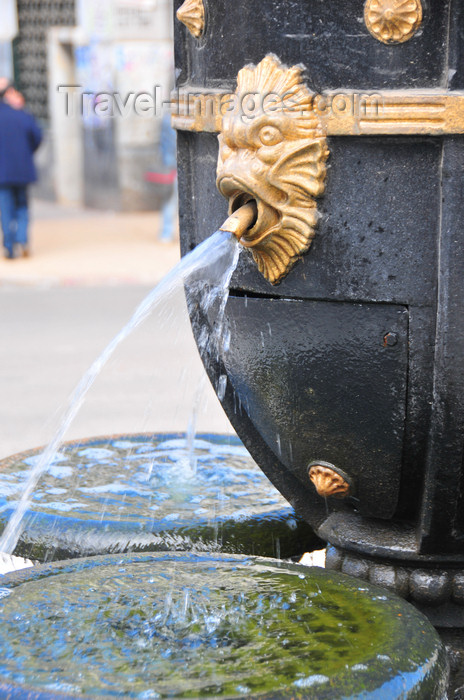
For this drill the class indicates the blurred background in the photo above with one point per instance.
(96, 219)
(114, 46)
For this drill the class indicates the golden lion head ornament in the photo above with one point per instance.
(272, 149)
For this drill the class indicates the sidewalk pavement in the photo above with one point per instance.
(71, 246)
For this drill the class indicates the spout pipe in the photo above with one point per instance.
(241, 220)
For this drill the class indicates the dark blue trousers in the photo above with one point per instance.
(14, 215)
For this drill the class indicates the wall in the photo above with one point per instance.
(119, 50)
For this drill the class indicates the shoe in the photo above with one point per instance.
(9, 254)
(25, 251)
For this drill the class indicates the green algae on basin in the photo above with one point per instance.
(141, 493)
(210, 626)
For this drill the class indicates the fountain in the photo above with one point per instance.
(347, 360)
(186, 624)
(343, 122)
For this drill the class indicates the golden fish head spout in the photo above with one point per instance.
(272, 149)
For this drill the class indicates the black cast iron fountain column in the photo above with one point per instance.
(346, 370)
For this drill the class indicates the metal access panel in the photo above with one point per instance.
(325, 381)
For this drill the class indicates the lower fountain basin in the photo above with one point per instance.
(210, 626)
(151, 493)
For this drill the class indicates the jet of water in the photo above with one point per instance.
(215, 342)
(216, 259)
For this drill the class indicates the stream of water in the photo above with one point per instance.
(215, 259)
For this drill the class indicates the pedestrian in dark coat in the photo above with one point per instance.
(20, 136)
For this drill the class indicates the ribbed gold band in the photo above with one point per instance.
(342, 112)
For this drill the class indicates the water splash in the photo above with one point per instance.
(215, 343)
(221, 386)
(216, 259)
(192, 426)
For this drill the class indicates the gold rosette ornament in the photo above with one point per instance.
(393, 21)
(272, 151)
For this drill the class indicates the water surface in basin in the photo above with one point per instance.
(199, 626)
(151, 491)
